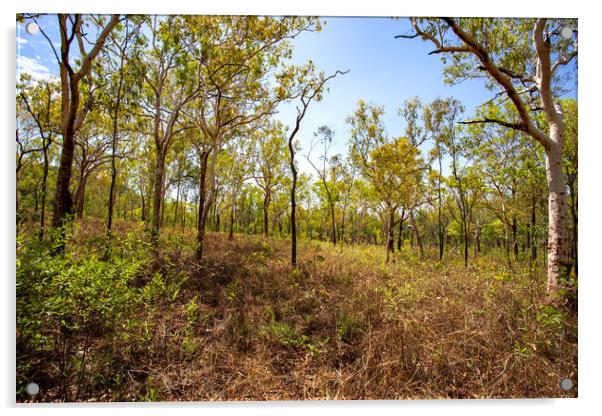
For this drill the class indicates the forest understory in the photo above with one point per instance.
(243, 325)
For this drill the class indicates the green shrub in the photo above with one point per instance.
(63, 300)
(349, 326)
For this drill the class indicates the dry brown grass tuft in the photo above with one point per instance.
(344, 325)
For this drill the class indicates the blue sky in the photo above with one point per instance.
(383, 71)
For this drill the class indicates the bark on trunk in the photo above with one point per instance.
(157, 196)
(80, 195)
(63, 203)
(417, 232)
(400, 236)
(266, 207)
(390, 231)
(558, 241)
(70, 98)
(202, 216)
(43, 190)
(293, 203)
(231, 233)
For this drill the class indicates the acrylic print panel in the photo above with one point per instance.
(295, 208)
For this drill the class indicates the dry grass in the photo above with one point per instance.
(345, 325)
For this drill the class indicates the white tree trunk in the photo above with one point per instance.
(558, 237)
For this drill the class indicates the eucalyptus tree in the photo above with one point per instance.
(38, 100)
(238, 169)
(525, 60)
(392, 168)
(93, 142)
(464, 182)
(122, 91)
(306, 86)
(73, 70)
(25, 134)
(171, 81)
(325, 135)
(570, 170)
(395, 178)
(270, 155)
(240, 58)
(343, 179)
(438, 118)
(498, 151)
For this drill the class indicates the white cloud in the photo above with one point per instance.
(21, 41)
(36, 70)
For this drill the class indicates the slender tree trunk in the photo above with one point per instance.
(70, 98)
(400, 235)
(506, 229)
(202, 214)
(80, 194)
(293, 203)
(390, 231)
(439, 223)
(417, 232)
(231, 233)
(266, 205)
(334, 226)
(143, 211)
(43, 190)
(114, 148)
(558, 241)
(217, 220)
(158, 195)
(63, 203)
(184, 205)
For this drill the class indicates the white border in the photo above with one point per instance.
(590, 346)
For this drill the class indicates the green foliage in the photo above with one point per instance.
(522, 351)
(550, 316)
(62, 299)
(286, 334)
(232, 289)
(72, 295)
(191, 311)
(350, 326)
(189, 347)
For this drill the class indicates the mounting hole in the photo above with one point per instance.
(566, 384)
(32, 28)
(32, 389)
(567, 32)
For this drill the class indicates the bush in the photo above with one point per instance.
(62, 301)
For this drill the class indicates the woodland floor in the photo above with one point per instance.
(344, 325)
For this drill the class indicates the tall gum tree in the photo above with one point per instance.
(326, 136)
(72, 112)
(526, 61)
(271, 158)
(40, 103)
(171, 82)
(240, 59)
(305, 86)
